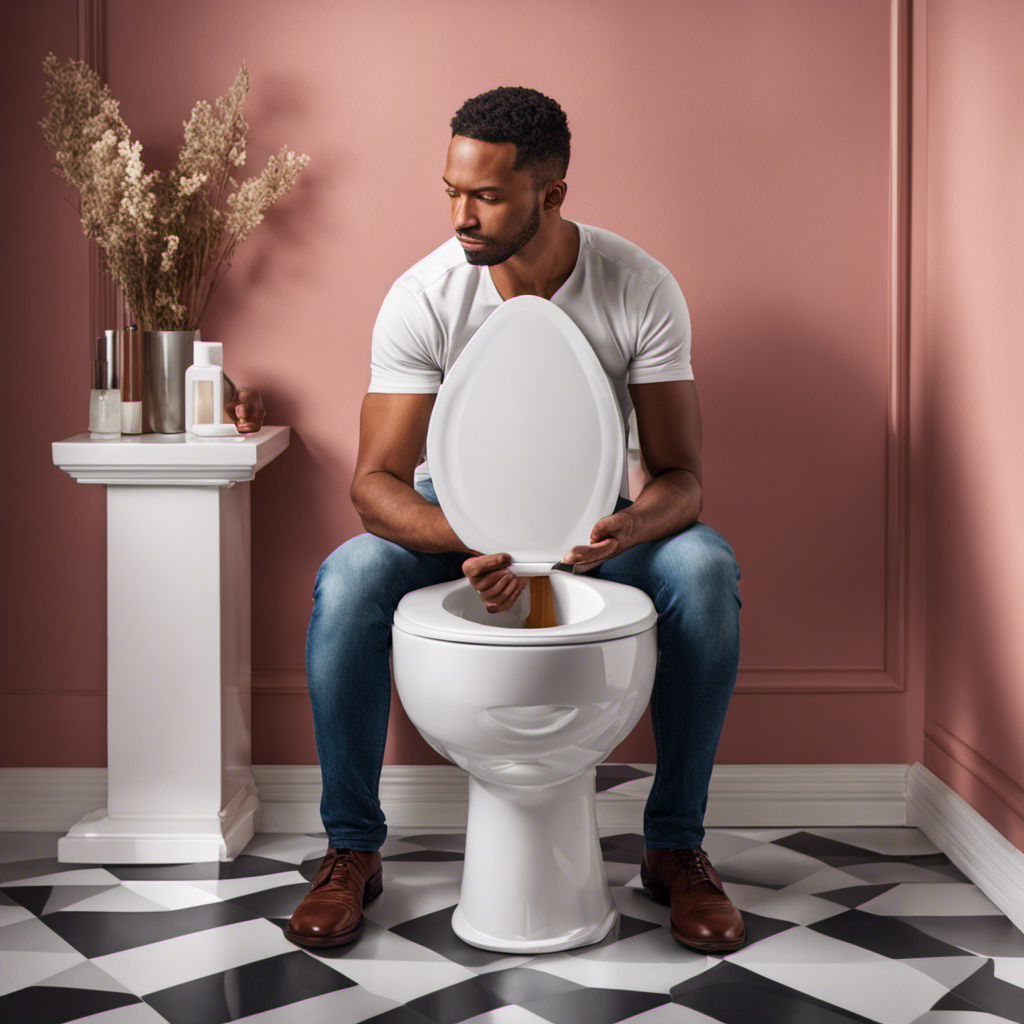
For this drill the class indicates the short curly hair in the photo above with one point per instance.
(534, 122)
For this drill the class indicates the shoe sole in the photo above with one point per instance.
(374, 887)
(658, 892)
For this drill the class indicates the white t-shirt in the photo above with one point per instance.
(626, 303)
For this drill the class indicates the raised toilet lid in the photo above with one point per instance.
(525, 442)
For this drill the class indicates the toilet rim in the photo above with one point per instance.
(627, 611)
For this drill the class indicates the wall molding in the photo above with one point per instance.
(107, 310)
(435, 796)
(1006, 789)
(984, 855)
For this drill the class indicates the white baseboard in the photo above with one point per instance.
(984, 855)
(435, 796)
(740, 796)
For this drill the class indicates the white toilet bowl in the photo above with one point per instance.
(528, 713)
(526, 449)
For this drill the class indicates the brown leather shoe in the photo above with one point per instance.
(702, 916)
(331, 913)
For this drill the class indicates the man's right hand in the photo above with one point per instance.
(497, 586)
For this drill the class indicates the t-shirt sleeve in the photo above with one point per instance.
(405, 355)
(663, 337)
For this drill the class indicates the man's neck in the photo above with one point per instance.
(539, 269)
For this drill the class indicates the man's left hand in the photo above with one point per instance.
(245, 410)
(609, 537)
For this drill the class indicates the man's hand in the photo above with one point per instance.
(498, 588)
(245, 409)
(609, 537)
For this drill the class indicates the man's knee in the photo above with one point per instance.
(357, 570)
(699, 561)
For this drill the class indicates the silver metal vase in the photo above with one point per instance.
(166, 355)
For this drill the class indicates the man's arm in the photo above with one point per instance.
(669, 427)
(392, 432)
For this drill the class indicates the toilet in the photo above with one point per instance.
(526, 447)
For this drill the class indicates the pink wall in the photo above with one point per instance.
(745, 145)
(975, 322)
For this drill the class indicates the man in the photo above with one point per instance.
(505, 178)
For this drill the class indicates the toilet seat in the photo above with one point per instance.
(602, 610)
(559, 437)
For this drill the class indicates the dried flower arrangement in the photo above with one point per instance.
(166, 239)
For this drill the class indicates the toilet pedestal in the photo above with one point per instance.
(533, 880)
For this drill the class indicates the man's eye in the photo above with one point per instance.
(451, 193)
(488, 199)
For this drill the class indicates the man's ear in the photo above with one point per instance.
(554, 195)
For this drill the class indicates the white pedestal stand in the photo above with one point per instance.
(179, 763)
(533, 878)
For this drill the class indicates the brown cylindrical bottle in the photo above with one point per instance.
(130, 362)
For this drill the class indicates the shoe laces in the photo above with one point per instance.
(339, 865)
(696, 865)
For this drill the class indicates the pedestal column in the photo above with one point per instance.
(179, 775)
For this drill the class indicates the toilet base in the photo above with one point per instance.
(533, 877)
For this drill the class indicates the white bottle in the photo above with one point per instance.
(204, 392)
(105, 396)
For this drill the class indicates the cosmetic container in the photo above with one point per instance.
(204, 392)
(129, 378)
(105, 395)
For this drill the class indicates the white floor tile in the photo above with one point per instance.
(119, 900)
(170, 962)
(652, 947)
(636, 976)
(895, 871)
(32, 936)
(803, 946)
(720, 845)
(895, 841)
(286, 846)
(377, 943)
(137, 1013)
(84, 975)
(801, 908)
(12, 915)
(955, 899)
(670, 1013)
(507, 1015)
(78, 876)
(172, 895)
(825, 879)
(960, 1017)
(402, 900)
(401, 981)
(1009, 968)
(20, 969)
(232, 888)
(763, 835)
(769, 865)
(948, 971)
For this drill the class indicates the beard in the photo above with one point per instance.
(496, 252)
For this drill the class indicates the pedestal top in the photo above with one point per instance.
(169, 459)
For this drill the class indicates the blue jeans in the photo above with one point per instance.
(690, 576)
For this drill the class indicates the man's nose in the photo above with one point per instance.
(463, 215)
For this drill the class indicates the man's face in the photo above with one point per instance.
(495, 210)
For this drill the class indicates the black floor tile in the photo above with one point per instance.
(249, 989)
(51, 1004)
(733, 995)
(888, 936)
(96, 933)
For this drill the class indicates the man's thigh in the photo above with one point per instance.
(696, 557)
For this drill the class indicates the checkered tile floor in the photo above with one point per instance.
(843, 924)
